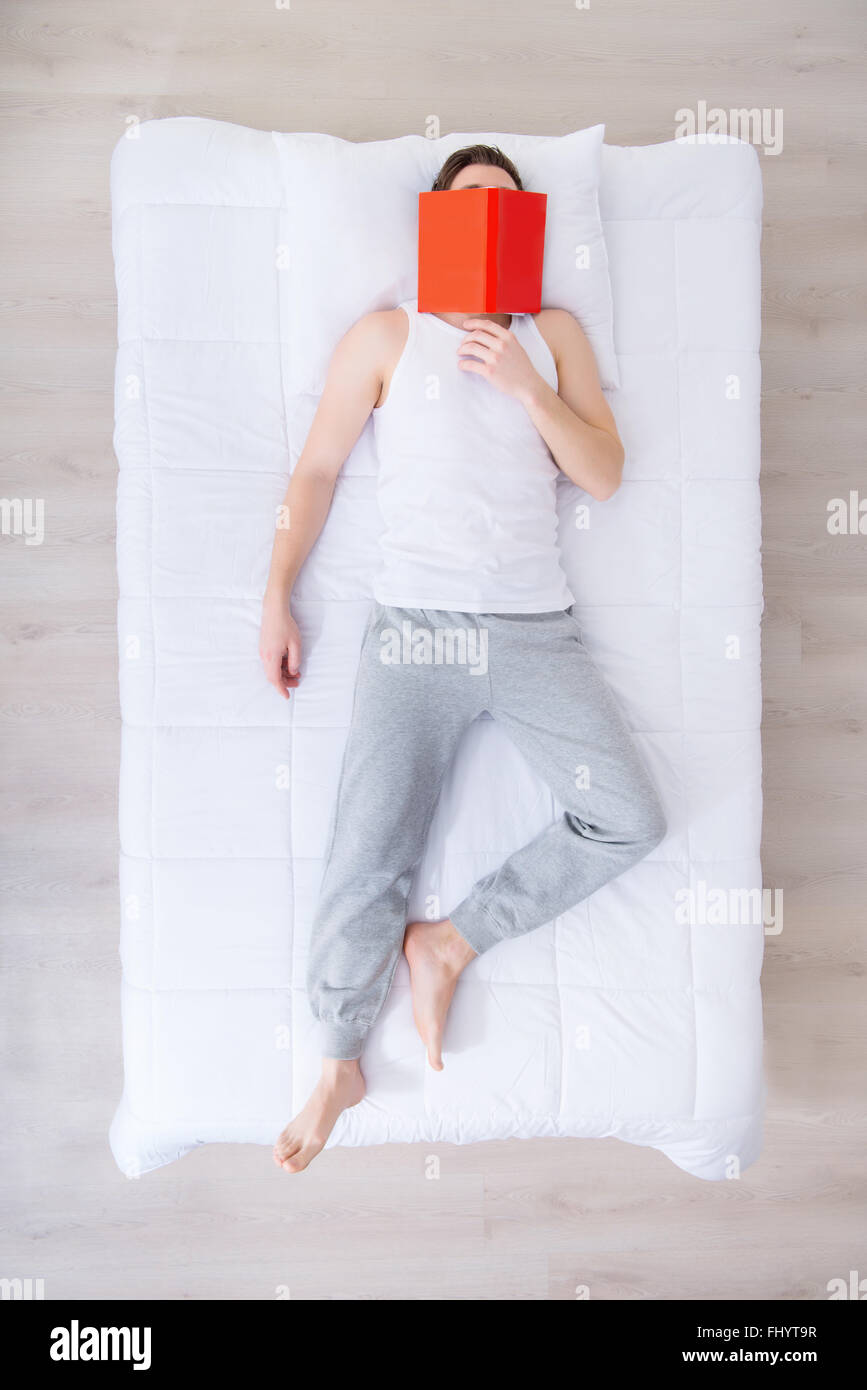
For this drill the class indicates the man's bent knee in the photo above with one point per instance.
(651, 829)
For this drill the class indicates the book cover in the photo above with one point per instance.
(481, 250)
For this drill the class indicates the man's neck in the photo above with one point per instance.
(457, 320)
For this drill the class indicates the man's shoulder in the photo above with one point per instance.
(560, 329)
(381, 329)
(380, 321)
(374, 335)
(558, 321)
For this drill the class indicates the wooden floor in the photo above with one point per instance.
(521, 1220)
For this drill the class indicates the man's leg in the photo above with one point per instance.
(558, 710)
(407, 718)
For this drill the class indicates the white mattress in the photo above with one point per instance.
(619, 1018)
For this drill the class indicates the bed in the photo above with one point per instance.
(636, 1015)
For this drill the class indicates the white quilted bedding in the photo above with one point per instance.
(621, 1018)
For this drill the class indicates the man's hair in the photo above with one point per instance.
(474, 154)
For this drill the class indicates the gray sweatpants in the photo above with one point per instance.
(424, 675)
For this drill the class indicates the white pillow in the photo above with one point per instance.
(352, 214)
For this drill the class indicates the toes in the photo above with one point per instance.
(432, 1043)
(286, 1148)
(299, 1161)
(433, 1040)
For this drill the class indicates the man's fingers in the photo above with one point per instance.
(289, 678)
(477, 352)
(495, 329)
(273, 663)
(485, 340)
(282, 664)
(293, 658)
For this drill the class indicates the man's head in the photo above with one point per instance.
(477, 166)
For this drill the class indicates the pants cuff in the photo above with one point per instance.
(476, 925)
(343, 1041)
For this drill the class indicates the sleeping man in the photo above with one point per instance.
(473, 418)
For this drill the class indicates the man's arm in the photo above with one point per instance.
(352, 387)
(575, 421)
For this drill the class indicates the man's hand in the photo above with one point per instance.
(499, 358)
(280, 645)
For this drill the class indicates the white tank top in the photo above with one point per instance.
(467, 485)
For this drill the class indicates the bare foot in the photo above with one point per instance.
(340, 1086)
(436, 954)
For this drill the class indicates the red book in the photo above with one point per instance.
(480, 250)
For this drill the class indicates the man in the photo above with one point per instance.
(473, 418)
